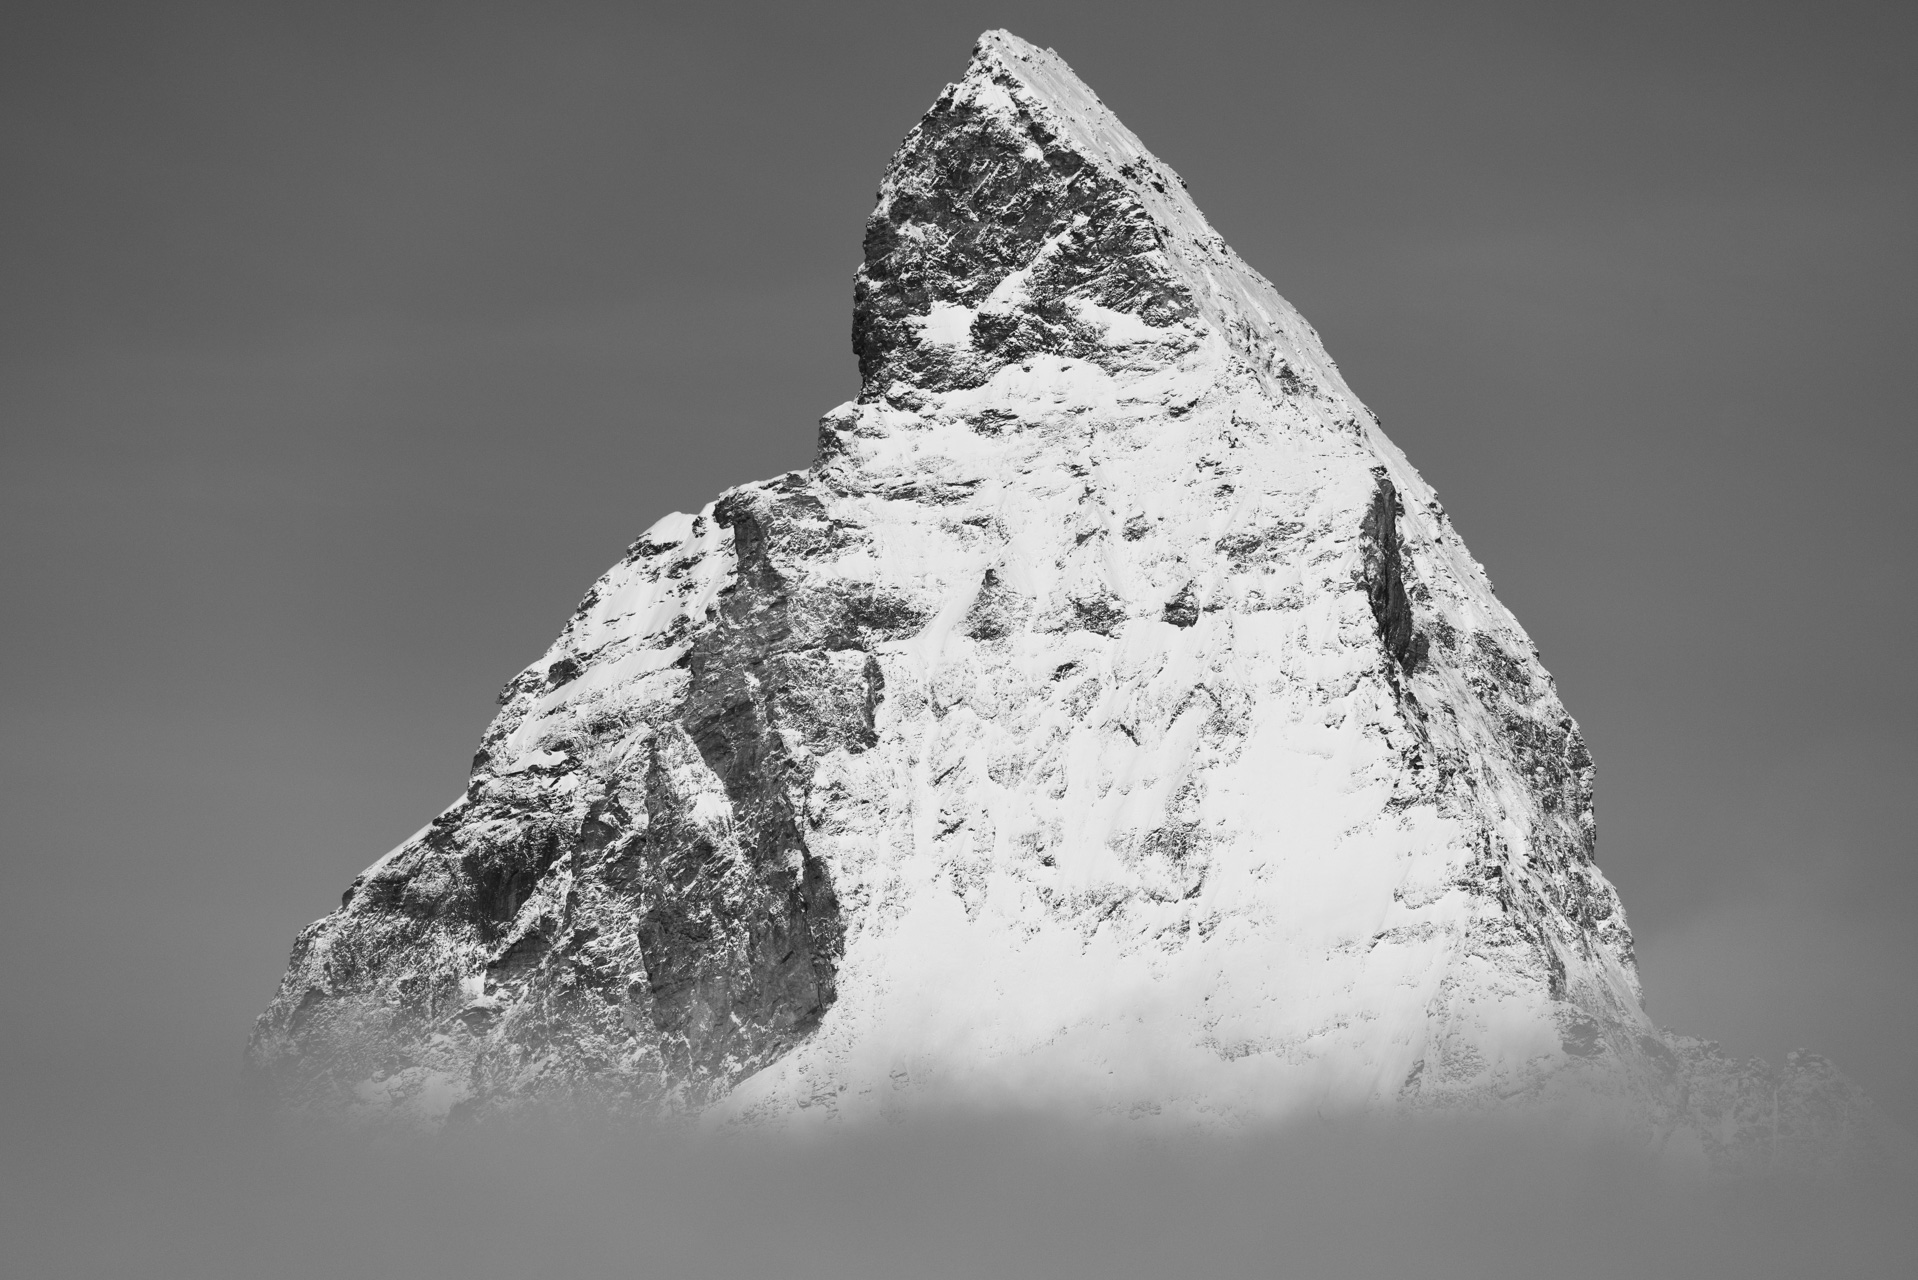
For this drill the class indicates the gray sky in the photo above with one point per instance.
(342, 346)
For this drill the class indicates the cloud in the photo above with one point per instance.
(175, 1191)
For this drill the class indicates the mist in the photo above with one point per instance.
(201, 1188)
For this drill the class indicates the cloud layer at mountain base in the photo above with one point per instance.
(179, 1190)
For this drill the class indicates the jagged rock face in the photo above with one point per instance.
(996, 239)
(1110, 719)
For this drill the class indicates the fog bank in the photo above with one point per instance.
(188, 1185)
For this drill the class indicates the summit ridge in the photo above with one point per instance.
(967, 250)
(1110, 721)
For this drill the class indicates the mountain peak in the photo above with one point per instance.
(1110, 721)
(1038, 84)
(1021, 217)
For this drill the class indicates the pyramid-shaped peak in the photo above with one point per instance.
(1020, 217)
(1040, 84)
(1110, 725)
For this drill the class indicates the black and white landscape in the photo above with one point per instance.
(1109, 724)
(1091, 814)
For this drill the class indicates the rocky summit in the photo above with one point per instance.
(1109, 721)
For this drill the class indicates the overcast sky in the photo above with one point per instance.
(342, 346)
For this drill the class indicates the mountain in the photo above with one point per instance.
(1109, 721)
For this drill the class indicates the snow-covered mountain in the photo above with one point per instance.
(1109, 721)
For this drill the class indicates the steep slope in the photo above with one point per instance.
(1109, 720)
